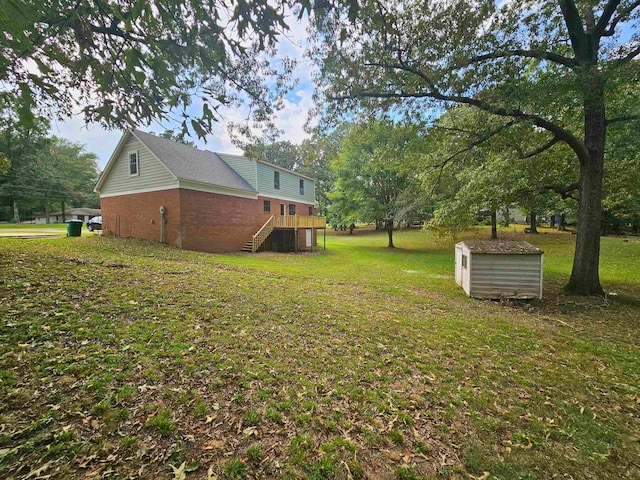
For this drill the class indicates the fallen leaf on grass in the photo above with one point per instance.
(250, 431)
(213, 444)
(39, 471)
(484, 476)
(210, 475)
(210, 418)
(179, 473)
(84, 462)
(95, 471)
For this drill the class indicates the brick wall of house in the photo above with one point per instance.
(218, 223)
(200, 221)
(138, 216)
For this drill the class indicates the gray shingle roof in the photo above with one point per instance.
(189, 163)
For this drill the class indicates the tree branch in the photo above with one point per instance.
(574, 26)
(539, 150)
(630, 56)
(470, 146)
(564, 191)
(622, 16)
(624, 118)
(563, 135)
(559, 132)
(607, 13)
(538, 54)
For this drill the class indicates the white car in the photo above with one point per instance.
(95, 223)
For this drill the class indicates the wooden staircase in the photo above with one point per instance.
(261, 235)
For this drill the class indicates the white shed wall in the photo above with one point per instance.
(466, 269)
(512, 276)
(459, 264)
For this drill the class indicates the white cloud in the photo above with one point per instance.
(96, 139)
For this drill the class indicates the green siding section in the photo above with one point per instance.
(245, 167)
(289, 184)
(153, 175)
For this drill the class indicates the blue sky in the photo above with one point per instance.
(291, 119)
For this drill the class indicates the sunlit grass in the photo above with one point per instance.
(354, 362)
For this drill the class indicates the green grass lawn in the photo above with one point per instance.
(26, 229)
(122, 358)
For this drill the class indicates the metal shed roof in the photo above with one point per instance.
(501, 247)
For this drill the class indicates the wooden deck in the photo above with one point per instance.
(284, 222)
(298, 221)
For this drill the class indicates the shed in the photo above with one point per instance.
(499, 269)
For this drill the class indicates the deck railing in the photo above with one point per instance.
(262, 234)
(299, 221)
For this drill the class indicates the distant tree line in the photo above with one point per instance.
(40, 173)
(464, 169)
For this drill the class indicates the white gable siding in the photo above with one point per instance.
(152, 176)
(289, 185)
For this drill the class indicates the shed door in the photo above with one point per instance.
(459, 265)
(309, 238)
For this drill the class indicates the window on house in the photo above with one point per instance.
(310, 211)
(276, 180)
(282, 209)
(267, 205)
(464, 261)
(133, 164)
(301, 187)
(292, 209)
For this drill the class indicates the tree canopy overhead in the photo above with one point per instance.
(566, 68)
(127, 62)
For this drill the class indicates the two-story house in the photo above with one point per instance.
(157, 189)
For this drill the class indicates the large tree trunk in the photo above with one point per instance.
(16, 212)
(585, 277)
(505, 217)
(389, 227)
(562, 224)
(533, 221)
(552, 221)
(494, 225)
(46, 208)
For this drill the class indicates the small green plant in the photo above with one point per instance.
(251, 418)
(255, 453)
(406, 473)
(234, 469)
(396, 437)
(163, 422)
(357, 472)
(200, 409)
(300, 448)
(421, 447)
(128, 442)
(273, 415)
(124, 393)
(101, 407)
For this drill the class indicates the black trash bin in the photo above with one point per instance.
(74, 228)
